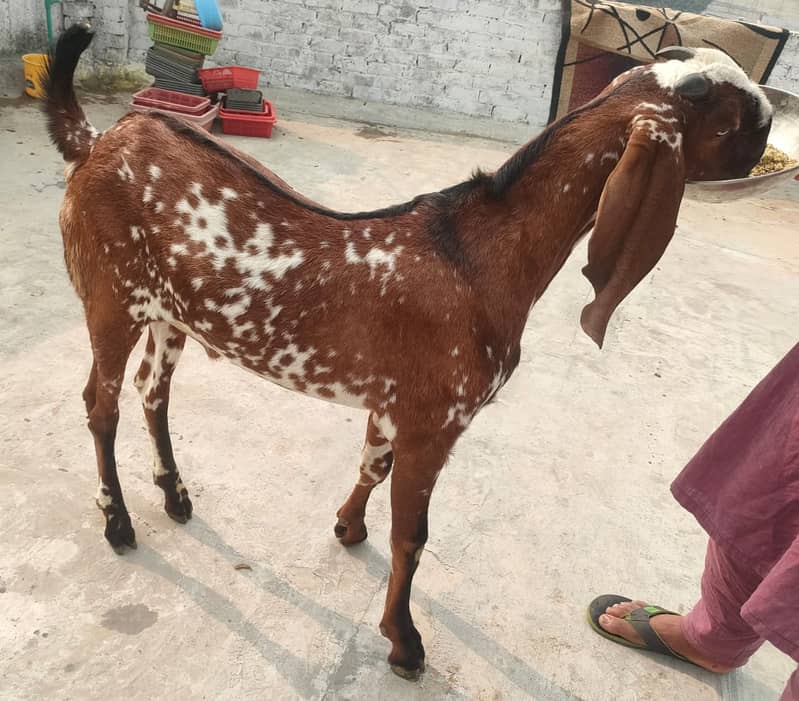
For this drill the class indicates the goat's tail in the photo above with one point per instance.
(69, 130)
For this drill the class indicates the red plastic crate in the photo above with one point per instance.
(203, 121)
(171, 100)
(249, 123)
(190, 18)
(226, 77)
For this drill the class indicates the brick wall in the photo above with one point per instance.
(786, 72)
(22, 27)
(485, 58)
(112, 21)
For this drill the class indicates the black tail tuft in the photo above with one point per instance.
(66, 122)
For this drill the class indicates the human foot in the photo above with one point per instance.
(666, 626)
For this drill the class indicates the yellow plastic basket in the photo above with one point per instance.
(33, 66)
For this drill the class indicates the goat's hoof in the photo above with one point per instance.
(121, 549)
(118, 530)
(179, 509)
(406, 673)
(407, 653)
(350, 533)
(180, 518)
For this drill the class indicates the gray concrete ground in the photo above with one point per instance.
(558, 492)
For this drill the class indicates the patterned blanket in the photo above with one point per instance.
(602, 38)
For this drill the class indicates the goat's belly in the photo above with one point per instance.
(298, 370)
(253, 334)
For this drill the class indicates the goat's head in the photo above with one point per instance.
(726, 116)
(694, 116)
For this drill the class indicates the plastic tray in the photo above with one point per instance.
(172, 70)
(203, 121)
(172, 53)
(249, 123)
(228, 77)
(179, 86)
(166, 69)
(171, 100)
(178, 68)
(243, 107)
(182, 34)
(252, 97)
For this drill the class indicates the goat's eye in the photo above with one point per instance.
(724, 132)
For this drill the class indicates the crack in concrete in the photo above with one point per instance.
(348, 645)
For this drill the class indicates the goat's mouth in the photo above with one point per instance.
(740, 171)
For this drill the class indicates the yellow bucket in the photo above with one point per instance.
(33, 66)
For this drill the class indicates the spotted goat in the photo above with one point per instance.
(413, 313)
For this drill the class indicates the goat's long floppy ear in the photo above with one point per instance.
(635, 222)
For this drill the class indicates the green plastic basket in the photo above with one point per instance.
(183, 38)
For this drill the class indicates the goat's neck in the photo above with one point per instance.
(545, 212)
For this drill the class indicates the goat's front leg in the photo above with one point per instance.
(418, 463)
(153, 380)
(376, 460)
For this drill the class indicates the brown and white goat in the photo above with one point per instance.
(414, 313)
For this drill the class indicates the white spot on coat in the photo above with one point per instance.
(386, 426)
(103, 496)
(124, 172)
(717, 67)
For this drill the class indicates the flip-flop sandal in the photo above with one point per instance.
(639, 619)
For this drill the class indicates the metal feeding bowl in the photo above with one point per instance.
(784, 135)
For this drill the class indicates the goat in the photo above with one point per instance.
(414, 313)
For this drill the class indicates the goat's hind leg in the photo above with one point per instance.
(153, 380)
(376, 461)
(111, 345)
(90, 391)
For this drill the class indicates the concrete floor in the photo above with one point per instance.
(558, 492)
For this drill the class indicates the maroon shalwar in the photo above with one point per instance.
(743, 488)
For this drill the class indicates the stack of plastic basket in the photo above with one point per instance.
(176, 59)
(193, 109)
(243, 109)
(179, 50)
(175, 69)
(180, 45)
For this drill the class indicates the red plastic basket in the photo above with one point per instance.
(249, 123)
(204, 120)
(171, 100)
(227, 77)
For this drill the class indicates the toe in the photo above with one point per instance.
(622, 609)
(610, 623)
(620, 627)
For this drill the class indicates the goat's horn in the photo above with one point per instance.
(693, 86)
(680, 53)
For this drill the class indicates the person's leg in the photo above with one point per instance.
(713, 635)
(715, 626)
